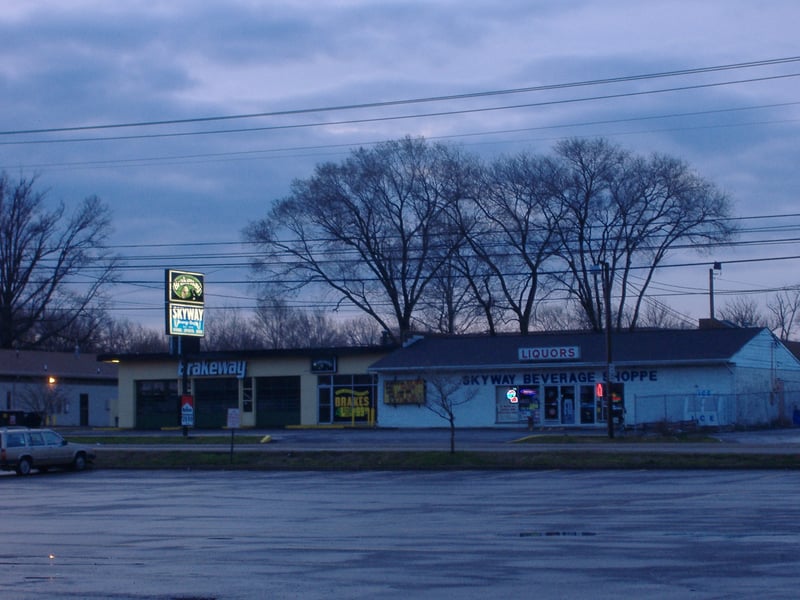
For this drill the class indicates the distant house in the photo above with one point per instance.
(58, 388)
(709, 376)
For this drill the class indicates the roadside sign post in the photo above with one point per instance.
(187, 413)
(184, 315)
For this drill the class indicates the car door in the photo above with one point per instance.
(14, 446)
(38, 449)
(58, 452)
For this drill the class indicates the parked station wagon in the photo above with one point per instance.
(22, 450)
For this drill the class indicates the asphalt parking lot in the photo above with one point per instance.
(434, 535)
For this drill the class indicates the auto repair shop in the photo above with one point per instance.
(270, 388)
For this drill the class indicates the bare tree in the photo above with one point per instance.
(127, 337)
(448, 306)
(479, 281)
(281, 326)
(628, 213)
(53, 266)
(420, 235)
(511, 230)
(46, 400)
(64, 333)
(362, 331)
(785, 310)
(445, 394)
(370, 229)
(229, 329)
(659, 315)
(743, 312)
(558, 316)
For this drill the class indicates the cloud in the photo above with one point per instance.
(92, 62)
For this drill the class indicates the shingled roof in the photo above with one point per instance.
(640, 347)
(65, 365)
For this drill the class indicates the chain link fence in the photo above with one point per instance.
(686, 411)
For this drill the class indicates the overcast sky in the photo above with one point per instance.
(162, 72)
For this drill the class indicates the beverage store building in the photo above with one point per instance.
(708, 376)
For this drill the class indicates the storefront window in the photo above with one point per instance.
(347, 398)
(551, 403)
(523, 409)
(325, 402)
(618, 402)
(587, 405)
(507, 410)
(247, 395)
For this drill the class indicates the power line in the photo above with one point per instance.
(450, 97)
(261, 154)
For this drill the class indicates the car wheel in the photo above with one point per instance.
(24, 466)
(79, 464)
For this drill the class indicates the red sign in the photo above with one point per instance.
(187, 411)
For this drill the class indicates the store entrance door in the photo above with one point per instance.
(567, 405)
(559, 404)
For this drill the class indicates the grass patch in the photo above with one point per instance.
(625, 438)
(156, 440)
(432, 460)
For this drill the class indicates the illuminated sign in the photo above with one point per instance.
(549, 353)
(187, 411)
(184, 294)
(185, 320)
(351, 404)
(323, 364)
(185, 287)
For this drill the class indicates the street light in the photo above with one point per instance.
(604, 268)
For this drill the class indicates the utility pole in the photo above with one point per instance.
(609, 395)
(716, 268)
(605, 272)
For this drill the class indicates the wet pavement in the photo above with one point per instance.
(467, 535)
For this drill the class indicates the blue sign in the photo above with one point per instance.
(186, 320)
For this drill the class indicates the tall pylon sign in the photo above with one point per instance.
(185, 303)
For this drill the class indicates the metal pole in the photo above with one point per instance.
(715, 268)
(184, 382)
(609, 394)
(711, 292)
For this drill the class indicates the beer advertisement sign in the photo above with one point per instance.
(185, 303)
